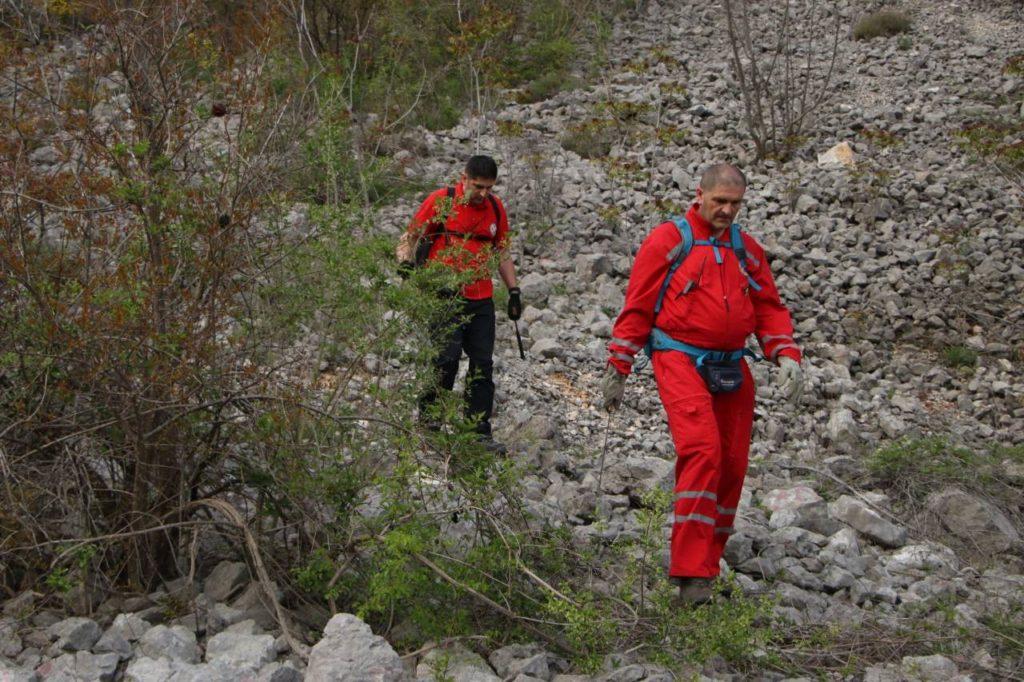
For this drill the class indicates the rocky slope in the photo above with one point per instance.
(885, 265)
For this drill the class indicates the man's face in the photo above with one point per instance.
(720, 205)
(476, 189)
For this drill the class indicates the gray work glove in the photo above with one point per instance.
(613, 386)
(791, 379)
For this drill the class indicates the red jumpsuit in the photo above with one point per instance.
(711, 306)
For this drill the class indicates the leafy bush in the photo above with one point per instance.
(430, 62)
(881, 24)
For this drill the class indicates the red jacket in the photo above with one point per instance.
(465, 254)
(708, 305)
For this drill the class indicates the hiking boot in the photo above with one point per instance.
(695, 591)
(492, 446)
(429, 423)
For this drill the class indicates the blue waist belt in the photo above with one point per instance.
(659, 340)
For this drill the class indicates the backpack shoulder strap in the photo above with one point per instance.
(736, 238)
(497, 216)
(677, 255)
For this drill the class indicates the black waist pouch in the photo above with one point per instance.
(722, 377)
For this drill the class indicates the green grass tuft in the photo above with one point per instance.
(881, 24)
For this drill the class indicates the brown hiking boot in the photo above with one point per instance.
(695, 591)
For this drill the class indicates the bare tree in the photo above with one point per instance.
(783, 57)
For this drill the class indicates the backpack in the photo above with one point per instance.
(425, 242)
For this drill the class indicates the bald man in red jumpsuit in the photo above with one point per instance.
(698, 326)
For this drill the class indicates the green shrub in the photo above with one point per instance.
(543, 87)
(912, 468)
(959, 356)
(922, 464)
(592, 139)
(881, 24)
(733, 628)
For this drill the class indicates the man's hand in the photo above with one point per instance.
(791, 379)
(515, 304)
(613, 386)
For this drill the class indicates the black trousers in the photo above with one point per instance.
(471, 329)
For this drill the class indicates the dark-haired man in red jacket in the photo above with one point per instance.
(466, 228)
(699, 287)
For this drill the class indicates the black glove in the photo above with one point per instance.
(405, 269)
(515, 304)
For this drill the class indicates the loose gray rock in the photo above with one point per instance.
(455, 663)
(114, 642)
(130, 625)
(241, 652)
(10, 641)
(9, 671)
(350, 651)
(518, 659)
(870, 523)
(934, 668)
(221, 616)
(20, 606)
(175, 642)
(168, 670)
(923, 558)
(279, 672)
(82, 666)
(75, 634)
(225, 580)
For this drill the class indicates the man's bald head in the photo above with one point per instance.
(722, 175)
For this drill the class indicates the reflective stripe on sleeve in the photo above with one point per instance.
(725, 511)
(625, 358)
(626, 344)
(725, 531)
(692, 494)
(772, 337)
(782, 346)
(699, 518)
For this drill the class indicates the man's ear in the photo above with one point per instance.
(700, 195)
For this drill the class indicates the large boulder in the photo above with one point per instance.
(973, 519)
(350, 651)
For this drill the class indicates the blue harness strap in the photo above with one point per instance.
(686, 245)
(659, 340)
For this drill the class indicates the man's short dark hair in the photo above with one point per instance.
(482, 167)
(722, 174)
